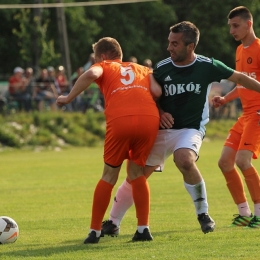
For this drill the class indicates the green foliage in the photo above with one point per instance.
(8, 138)
(58, 129)
(52, 129)
(25, 27)
(218, 129)
(142, 34)
(141, 28)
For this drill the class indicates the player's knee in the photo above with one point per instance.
(242, 163)
(184, 163)
(225, 164)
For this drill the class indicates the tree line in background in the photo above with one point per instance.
(31, 37)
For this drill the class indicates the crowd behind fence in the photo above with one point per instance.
(25, 91)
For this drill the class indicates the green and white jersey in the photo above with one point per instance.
(185, 89)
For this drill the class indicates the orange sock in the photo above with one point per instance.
(235, 186)
(101, 201)
(253, 184)
(141, 196)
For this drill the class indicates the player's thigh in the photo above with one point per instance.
(250, 138)
(188, 144)
(116, 146)
(146, 130)
(129, 137)
(234, 136)
(163, 147)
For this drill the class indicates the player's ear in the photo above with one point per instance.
(104, 57)
(191, 46)
(249, 24)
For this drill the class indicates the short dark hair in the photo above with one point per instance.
(242, 12)
(191, 33)
(108, 46)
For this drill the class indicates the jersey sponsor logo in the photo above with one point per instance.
(172, 89)
(168, 78)
(250, 74)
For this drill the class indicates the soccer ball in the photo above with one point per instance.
(9, 230)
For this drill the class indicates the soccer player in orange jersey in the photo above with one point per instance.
(243, 141)
(132, 123)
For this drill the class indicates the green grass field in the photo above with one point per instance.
(49, 194)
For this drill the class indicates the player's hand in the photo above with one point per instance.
(62, 100)
(166, 120)
(218, 101)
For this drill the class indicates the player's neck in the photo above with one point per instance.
(249, 39)
(190, 59)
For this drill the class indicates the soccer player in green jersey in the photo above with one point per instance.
(185, 78)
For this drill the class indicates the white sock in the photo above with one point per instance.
(98, 232)
(122, 202)
(243, 209)
(141, 228)
(257, 209)
(198, 194)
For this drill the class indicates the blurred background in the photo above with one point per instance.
(42, 34)
(54, 36)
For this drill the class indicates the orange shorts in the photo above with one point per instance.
(130, 137)
(245, 134)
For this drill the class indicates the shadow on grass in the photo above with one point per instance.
(33, 250)
(39, 250)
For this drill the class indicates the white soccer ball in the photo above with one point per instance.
(9, 230)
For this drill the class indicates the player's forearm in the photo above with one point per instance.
(231, 95)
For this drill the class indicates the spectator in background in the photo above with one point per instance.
(79, 72)
(90, 62)
(148, 63)
(52, 77)
(61, 79)
(89, 98)
(86, 66)
(45, 90)
(92, 98)
(133, 59)
(30, 84)
(17, 89)
(63, 85)
(77, 101)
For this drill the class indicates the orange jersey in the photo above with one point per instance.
(126, 89)
(248, 62)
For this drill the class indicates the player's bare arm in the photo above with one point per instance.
(218, 101)
(81, 84)
(245, 81)
(155, 88)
